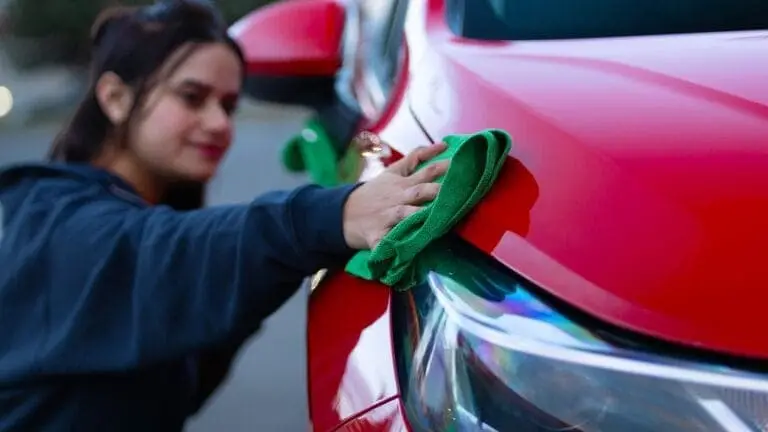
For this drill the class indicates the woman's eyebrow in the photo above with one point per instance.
(189, 82)
(199, 85)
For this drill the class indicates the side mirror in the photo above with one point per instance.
(293, 50)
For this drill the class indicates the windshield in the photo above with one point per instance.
(570, 19)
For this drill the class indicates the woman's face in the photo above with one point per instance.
(184, 128)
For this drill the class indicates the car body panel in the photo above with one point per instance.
(634, 190)
(386, 417)
(349, 350)
(647, 159)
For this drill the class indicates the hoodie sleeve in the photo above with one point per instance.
(131, 287)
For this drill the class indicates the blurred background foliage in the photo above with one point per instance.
(45, 32)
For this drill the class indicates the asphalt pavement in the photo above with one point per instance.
(267, 389)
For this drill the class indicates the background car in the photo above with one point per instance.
(614, 278)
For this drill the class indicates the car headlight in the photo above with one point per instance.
(477, 350)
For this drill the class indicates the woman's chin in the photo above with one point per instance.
(200, 172)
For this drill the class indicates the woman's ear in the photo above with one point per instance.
(115, 97)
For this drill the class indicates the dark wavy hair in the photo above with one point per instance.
(134, 43)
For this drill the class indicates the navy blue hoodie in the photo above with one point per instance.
(108, 306)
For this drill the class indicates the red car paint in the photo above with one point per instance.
(636, 191)
(316, 27)
(649, 160)
(384, 417)
(349, 351)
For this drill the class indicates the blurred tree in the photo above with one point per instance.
(44, 32)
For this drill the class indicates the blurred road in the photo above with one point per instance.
(266, 391)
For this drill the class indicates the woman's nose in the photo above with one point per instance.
(216, 119)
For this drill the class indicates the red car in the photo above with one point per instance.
(614, 278)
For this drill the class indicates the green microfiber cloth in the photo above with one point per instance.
(313, 151)
(476, 160)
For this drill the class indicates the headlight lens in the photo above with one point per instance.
(477, 351)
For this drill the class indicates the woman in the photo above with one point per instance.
(119, 296)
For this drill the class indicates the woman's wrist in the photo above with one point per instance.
(320, 218)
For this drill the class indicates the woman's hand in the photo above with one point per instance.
(398, 192)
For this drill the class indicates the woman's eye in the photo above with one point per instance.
(193, 100)
(229, 108)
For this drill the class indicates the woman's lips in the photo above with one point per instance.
(212, 152)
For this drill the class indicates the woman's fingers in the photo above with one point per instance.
(429, 173)
(421, 193)
(406, 166)
(397, 214)
(381, 203)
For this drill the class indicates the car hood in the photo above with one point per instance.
(638, 183)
